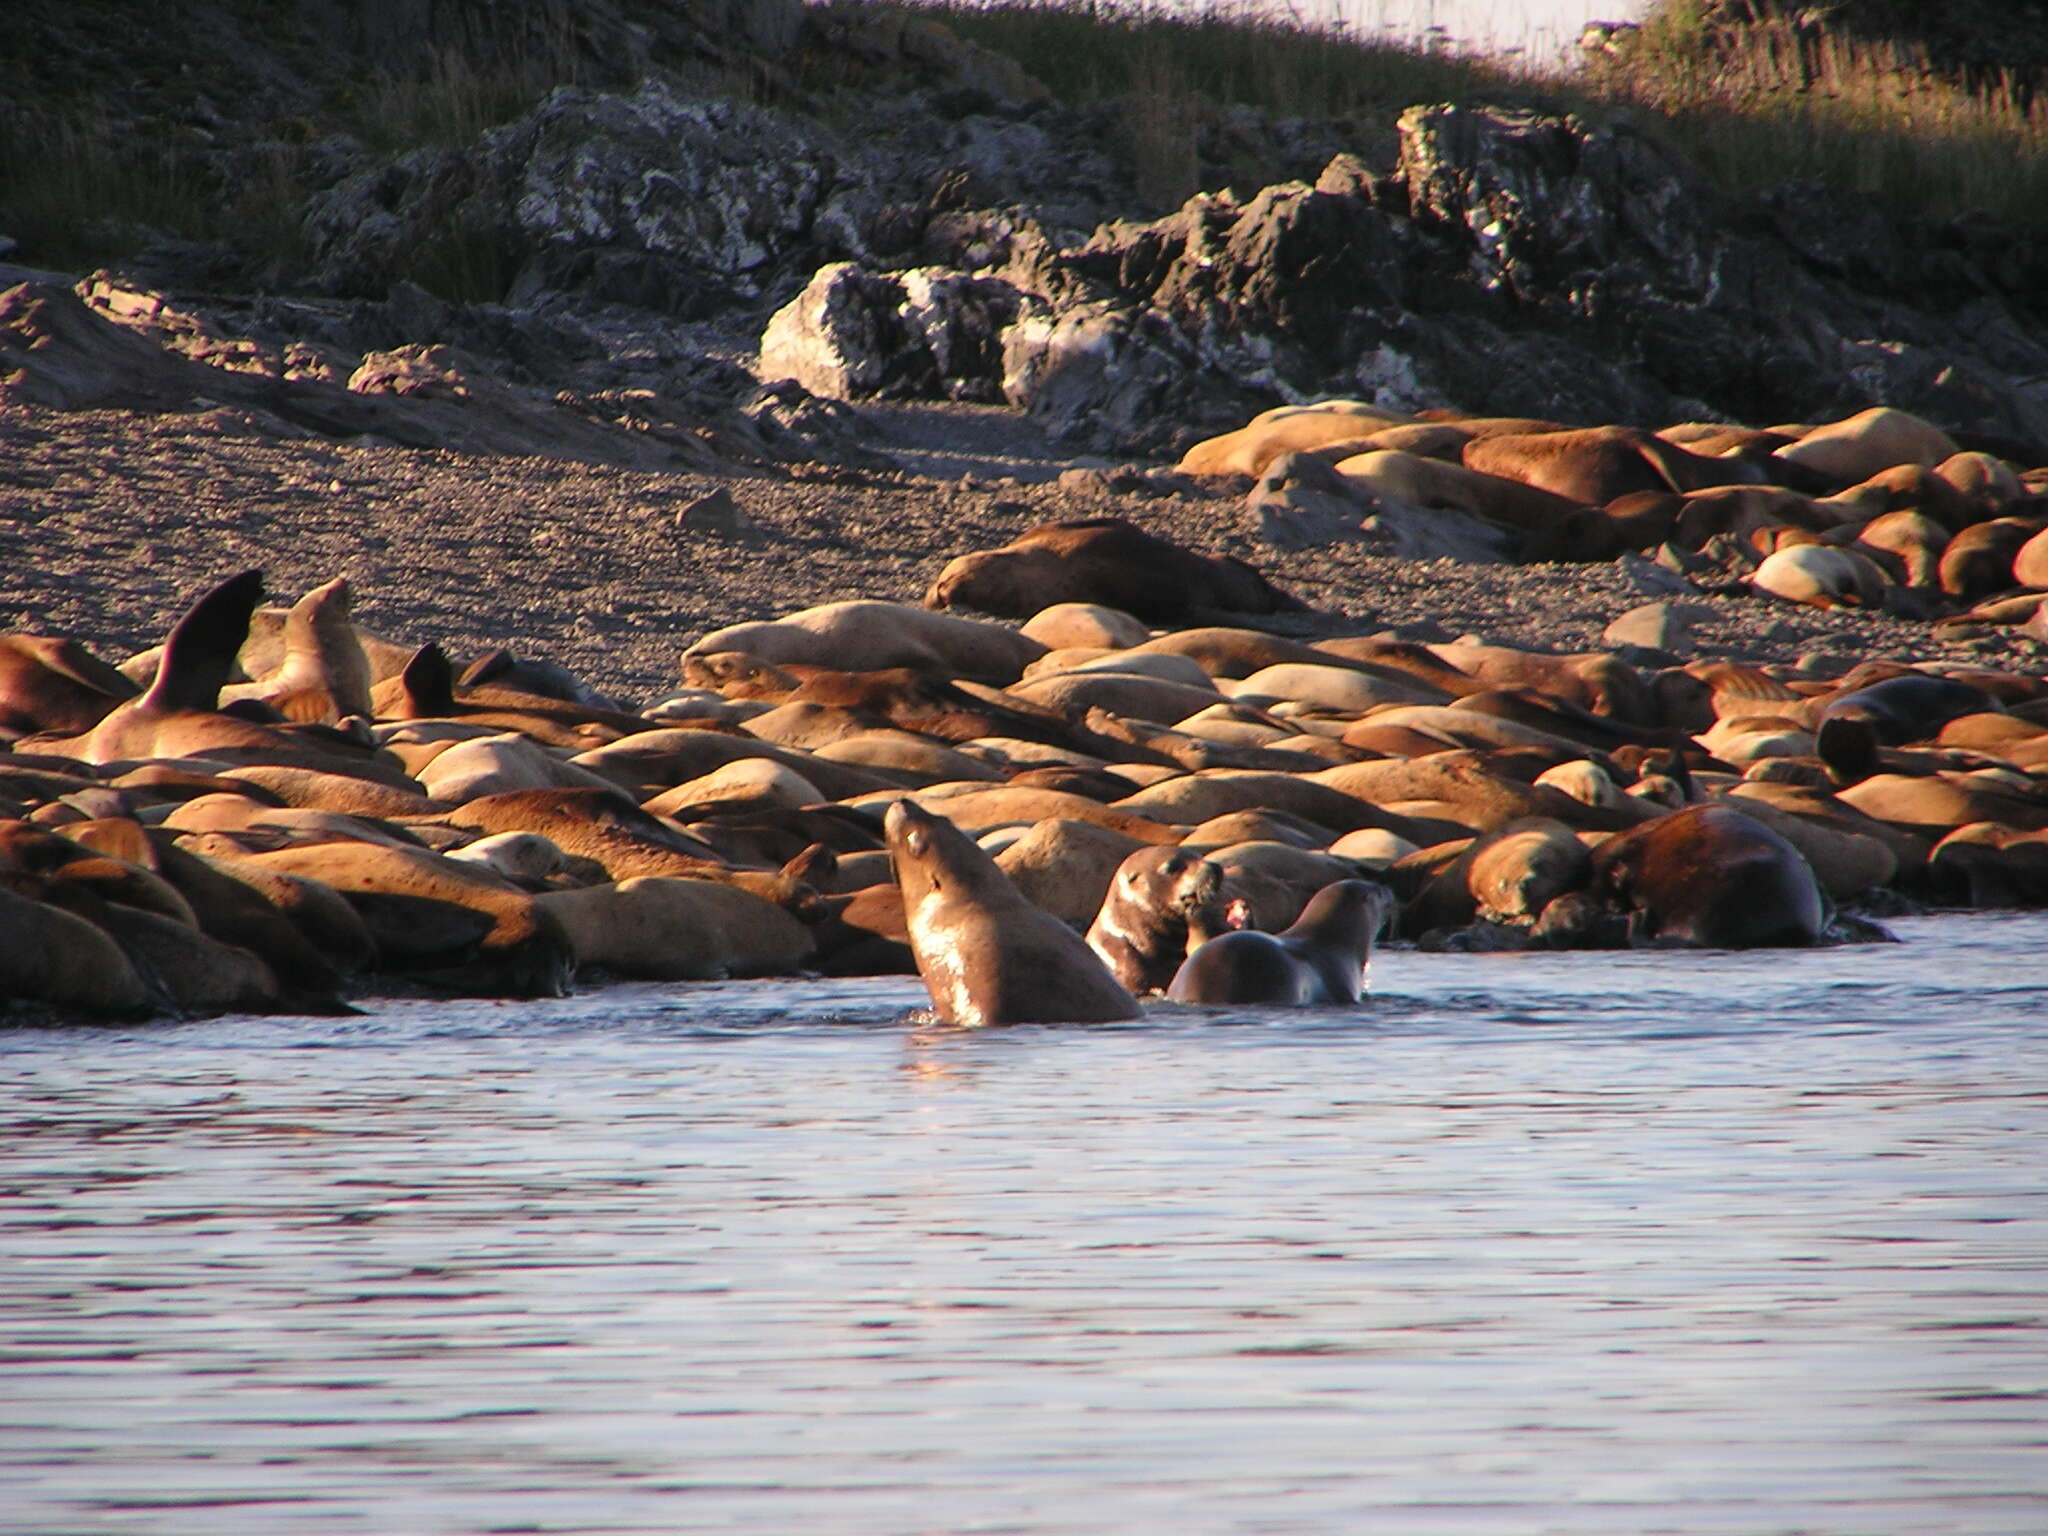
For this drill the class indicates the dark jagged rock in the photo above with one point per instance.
(1516, 263)
(650, 198)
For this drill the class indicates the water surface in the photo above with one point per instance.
(1646, 1242)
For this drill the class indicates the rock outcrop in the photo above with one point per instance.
(1514, 263)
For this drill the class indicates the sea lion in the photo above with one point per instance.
(1820, 577)
(2030, 563)
(1417, 481)
(1162, 905)
(1065, 625)
(669, 929)
(66, 961)
(1320, 961)
(1892, 712)
(1285, 429)
(987, 956)
(323, 674)
(1906, 545)
(1859, 446)
(1984, 557)
(1592, 466)
(52, 684)
(1064, 866)
(868, 636)
(177, 717)
(1108, 561)
(1709, 877)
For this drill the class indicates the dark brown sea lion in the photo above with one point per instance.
(1162, 905)
(1639, 520)
(1594, 465)
(1710, 877)
(986, 954)
(1319, 962)
(1891, 713)
(1979, 561)
(1109, 561)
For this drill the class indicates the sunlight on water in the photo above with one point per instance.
(1742, 1243)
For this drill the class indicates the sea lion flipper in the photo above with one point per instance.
(429, 683)
(199, 654)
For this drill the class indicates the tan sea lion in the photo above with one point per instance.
(1286, 429)
(867, 636)
(1320, 961)
(1161, 906)
(176, 717)
(323, 674)
(1852, 450)
(1065, 625)
(1417, 481)
(669, 929)
(1820, 577)
(987, 956)
(1064, 866)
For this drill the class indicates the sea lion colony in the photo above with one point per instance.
(277, 811)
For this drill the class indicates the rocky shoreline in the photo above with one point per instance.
(110, 521)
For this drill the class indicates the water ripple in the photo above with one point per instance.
(1582, 1244)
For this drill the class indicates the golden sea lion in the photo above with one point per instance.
(1286, 429)
(1853, 449)
(987, 956)
(323, 674)
(867, 636)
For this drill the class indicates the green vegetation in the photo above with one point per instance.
(72, 194)
(82, 184)
(1753, 103)
(1782, 99)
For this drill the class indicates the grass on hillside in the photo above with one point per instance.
(79, 188)
(1778, 101)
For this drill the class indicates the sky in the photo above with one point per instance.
(1540, 26)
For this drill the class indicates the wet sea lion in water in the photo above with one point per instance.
(1321, 960)
(1161, 906)
(986, 954)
